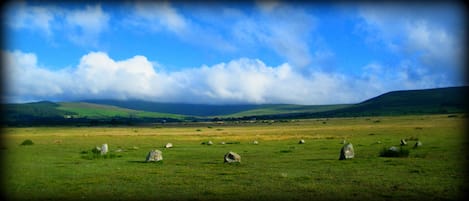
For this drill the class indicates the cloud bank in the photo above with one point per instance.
(244, 80)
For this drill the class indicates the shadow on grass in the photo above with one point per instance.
(320, 159)
(151, 162)
(137, 162)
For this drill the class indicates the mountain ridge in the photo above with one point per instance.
(403, 102)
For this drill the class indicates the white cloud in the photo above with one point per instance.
(243, 80)
(86, 25)
(25, 80)
(158, 16)
(431, 35)
(284, 29)
(36, 18)
(238, 81)
(81, 26)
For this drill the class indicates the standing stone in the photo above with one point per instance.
(232, 157)
(104, 149)
(255, 142)
(347, 152)
(154, 155)
(168, 145)
(301, 141)
(403, 142)
(394, 149)
(209, 143)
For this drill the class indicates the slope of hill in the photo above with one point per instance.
(202, 110)
(45, 112)
(90, 110)
(428, 101)
(286, 109)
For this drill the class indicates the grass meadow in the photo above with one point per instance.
(278, 168)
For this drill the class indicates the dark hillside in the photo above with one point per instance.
(43, 112)
(427, 101)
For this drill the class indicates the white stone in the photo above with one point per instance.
(232, 157)
(104, 149)
(403, 142)
(168, 145)
(154, 155)
(393, 148)
(347, 152)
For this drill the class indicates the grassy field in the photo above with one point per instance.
(278, 168)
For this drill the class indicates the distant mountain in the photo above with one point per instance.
(427, 101)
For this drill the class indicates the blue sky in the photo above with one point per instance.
(229, 53)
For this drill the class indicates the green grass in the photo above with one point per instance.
(278, 168)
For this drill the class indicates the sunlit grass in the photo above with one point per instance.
(277, 168)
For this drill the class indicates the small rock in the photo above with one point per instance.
(403, 142)
(207, 143)
(154, 156)
(255, 142)
(222, 142)
(393, 148)
(168, 145)
(417, 144)
(104, 149)
(346, 152)
(232, 157)
(301, 141)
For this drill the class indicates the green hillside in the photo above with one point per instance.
(428, 101)
(48, 113)
(201, 110)
(287, 109)
(43, 109)
(96, 111)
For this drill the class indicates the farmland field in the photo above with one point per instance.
(55, 167)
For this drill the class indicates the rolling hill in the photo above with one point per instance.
(202, 110)
(427, 101)
(47, 113)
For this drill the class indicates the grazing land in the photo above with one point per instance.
(55, 166)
